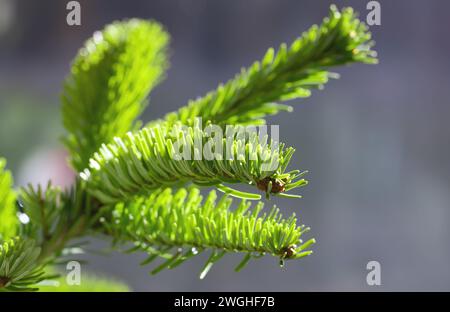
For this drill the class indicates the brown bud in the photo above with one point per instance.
(277, 185)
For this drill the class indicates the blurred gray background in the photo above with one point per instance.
(376, 141)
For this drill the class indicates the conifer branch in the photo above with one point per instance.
(287, 74)
(57, 216)
(147, 160)
(19, 269)
(178, 226)
(110, 80)
(127, 176)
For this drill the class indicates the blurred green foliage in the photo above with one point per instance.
(89, 283)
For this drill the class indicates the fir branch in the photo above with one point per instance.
(110, 79)
(129, 179)
(147, 160)
(8, 218)
(57, 217)
(178, 226)
(19, 269)
(287, 74)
